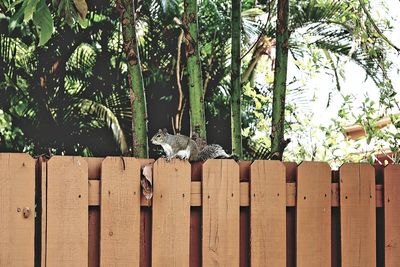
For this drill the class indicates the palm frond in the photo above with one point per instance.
(100, 111)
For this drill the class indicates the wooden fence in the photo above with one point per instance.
(90, 212)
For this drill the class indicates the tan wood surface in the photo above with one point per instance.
(195, 198)
(171, 213)
(313, 225)
(17, 194)
(268, 214)
(357, 218)
(221, 200)
(391, 182)
(67, 212)
(120, 212)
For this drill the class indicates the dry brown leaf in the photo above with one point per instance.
(146, 181)
(82, 8)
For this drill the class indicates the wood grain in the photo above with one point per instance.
(391, 183)
(268, 214)
(120, 212)
(67, 212)
(313, 225)
(196, 200)
(358, 215)
(171, 213)
(221, 200)
(17, 192)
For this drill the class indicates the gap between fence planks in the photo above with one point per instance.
(195, 194)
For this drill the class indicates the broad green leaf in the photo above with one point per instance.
(83, 22)
(43, 22)
(16, 18)
(29, 8)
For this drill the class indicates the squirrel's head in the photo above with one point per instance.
(160, 137)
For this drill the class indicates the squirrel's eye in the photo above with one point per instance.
(158, 135)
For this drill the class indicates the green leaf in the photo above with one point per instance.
(15, 19)
(84, 23)
(29, 7)
(43, 21)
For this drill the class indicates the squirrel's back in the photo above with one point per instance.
(212, 152)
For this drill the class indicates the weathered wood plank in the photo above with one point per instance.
(67, 212)
(195, 198)
(221, 200)
(391, 183)
(313, 225)
(195, 195)
(17, 210)
(358, 215)
(120, 212)
(171, 213)
(268, 213)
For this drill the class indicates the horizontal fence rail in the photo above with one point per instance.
(91, 212)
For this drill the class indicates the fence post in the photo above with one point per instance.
(391, 202)
(358, 215)
(120, 212)
(221, 208)
(313, 212)
(17, 209)
(171, 213)
(67, 212)
(268, 213)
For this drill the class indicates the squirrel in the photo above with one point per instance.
(183, 147)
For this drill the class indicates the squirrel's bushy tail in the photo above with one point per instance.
(213, 152)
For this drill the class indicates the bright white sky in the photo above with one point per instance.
(354, 82)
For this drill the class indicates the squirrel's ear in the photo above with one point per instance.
(165, 130)
(159, 130)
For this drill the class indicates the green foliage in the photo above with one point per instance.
(39, 13)
(66, 97)
(82, 61)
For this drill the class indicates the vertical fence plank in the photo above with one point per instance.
(358, 219)
(67, 212)
(268, 213)
(17, 193)
(391, 185)
(221, 209)
(171, 213)
(120, 212)
(313, 215)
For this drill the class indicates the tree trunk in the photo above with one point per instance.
(196, 95)
(135, 79)
(278, 143)
(236, 125)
